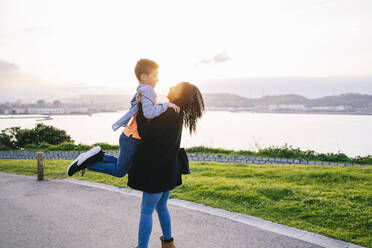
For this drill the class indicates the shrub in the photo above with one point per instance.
(65, 146)
(82, 147)
(106, 146)
(8, 138)
(203, 149)
(286, 151)
(15, 137)
(42, 133)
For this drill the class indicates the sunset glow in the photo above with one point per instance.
(98, 42)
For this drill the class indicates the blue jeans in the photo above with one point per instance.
(120, 166)
(151, 201)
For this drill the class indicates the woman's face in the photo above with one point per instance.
(175, 93)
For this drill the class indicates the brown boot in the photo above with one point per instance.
(168, 244)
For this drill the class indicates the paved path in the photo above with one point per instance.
(54, 213)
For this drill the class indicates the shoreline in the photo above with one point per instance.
(288, 112)
(43, 117)
(48, 117)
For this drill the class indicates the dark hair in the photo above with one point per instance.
(144, 66)
(191, 105)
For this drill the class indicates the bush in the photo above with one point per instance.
(362, 160)
(106, 146)
(8, 138)
(16, 138)
(203, 149)
(288, 152)
(42, 133)
(66, 146)
(82, 147)
(31, 146)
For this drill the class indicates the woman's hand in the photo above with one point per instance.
(138, 98)
(170, 105)
(174, 106)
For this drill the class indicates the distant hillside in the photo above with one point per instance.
(282, 99)
(229, 100)
(351, 99)
(221, 100)
(226, 100)
(310, 87)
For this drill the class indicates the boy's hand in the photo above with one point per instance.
(138, 98)
(174, 106)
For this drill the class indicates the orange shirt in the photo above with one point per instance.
(132, 128)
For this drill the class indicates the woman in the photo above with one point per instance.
(155, 169)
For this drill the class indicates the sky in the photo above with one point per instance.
(95, 44)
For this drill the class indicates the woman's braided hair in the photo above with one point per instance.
(191, 105)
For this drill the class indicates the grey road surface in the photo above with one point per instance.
(52, 213)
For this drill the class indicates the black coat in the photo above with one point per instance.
(156, 167)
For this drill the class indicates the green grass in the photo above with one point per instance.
(329, 200)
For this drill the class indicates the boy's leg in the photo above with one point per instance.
(118, 167)
(164, 216)
(107, 165)
(128, 148)
(148, 204)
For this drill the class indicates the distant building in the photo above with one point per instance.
(48, 111)
(57, 104)
(14, 111)
(79, 110)
(331, 108)
(287, 107)
(40, 103)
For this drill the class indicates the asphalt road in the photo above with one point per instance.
(51, 213)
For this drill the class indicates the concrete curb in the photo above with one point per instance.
(292, 232)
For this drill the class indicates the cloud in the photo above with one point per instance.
(7, 67)
(38, 30)
(221, 57)
(16, 84)
(218, 58)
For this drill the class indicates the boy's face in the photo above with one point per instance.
(151, 78)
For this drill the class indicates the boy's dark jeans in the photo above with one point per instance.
(118, 167)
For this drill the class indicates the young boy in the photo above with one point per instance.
(147, 74)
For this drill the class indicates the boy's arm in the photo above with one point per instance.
(123, 121)
(149, 108)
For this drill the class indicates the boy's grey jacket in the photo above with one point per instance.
(150, 110)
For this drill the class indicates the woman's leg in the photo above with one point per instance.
(164, 216)
(148, 204)
(117, 167)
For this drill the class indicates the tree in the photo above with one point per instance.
(40, 103)
(57, 103)
(15, 137)
(8, 138)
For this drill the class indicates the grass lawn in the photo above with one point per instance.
(329, 200)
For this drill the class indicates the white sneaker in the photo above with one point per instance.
(86, 155)
(73, 168)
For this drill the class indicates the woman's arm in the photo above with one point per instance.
(164, 129)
